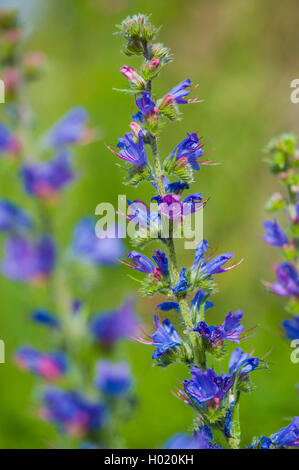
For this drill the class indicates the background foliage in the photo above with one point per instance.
(243, 55)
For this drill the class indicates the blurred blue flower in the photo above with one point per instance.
(200, 440)
(88, 247)
(72, 412)
(109, 327)
(28, 260)
(8, 141)
(287, 280)
(49, 366)
(291, 327)
(112, 379)
(44, 317)
(70, 129)
(46, 180)
(275, 235)
(12, 217)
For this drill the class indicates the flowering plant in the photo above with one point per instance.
(283, 161)
(214, 396)
(83, 395)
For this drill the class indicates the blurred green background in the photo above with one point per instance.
(244, 56)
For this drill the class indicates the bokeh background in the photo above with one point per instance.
(244, 56)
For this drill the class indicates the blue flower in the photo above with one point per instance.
(285, 437)
(139, 213)
(165, 338)
(70, 129)
(114, 380)
(201, 296)
(143, 264)
(44, 317)
(145, 104)
(46, 180)
(288, 436)
(191, 148)
(88, 247)
(12, 218)
(166, 306)
(161, 261)
(230, 330)
(179, 92)
(131, 151)
(242, 363)
(200, 440)
(275, 235)
(8, 142)
(291, 327)
(109, 327)
(200, 250)
(206, 386)
(287, 280)
(27, 260)
(182, 284)
(50, 366)
(72, 412)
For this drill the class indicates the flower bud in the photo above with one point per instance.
(33, 63)
(132, 76)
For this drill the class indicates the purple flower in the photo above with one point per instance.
(291, 327)
(27, 260)
(46, 180)
(165, 338)
(8, 141)
(205, 386)
(143, 264)
(49, 366)
(275, 235)
(178, 93)
(112, 379)
(242, 363)
(230, 330)
(200, 440)
(70, 129)
(88, 247)
(287, 281)
(12, 218)
(72, 412)
(145, 104)
(191, 148)
(44, 317)
(131, 151)
(109, 327)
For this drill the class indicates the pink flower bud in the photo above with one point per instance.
(33, 60)
(131, 74)
(154, 63)
(135, 128)
(11, 77)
